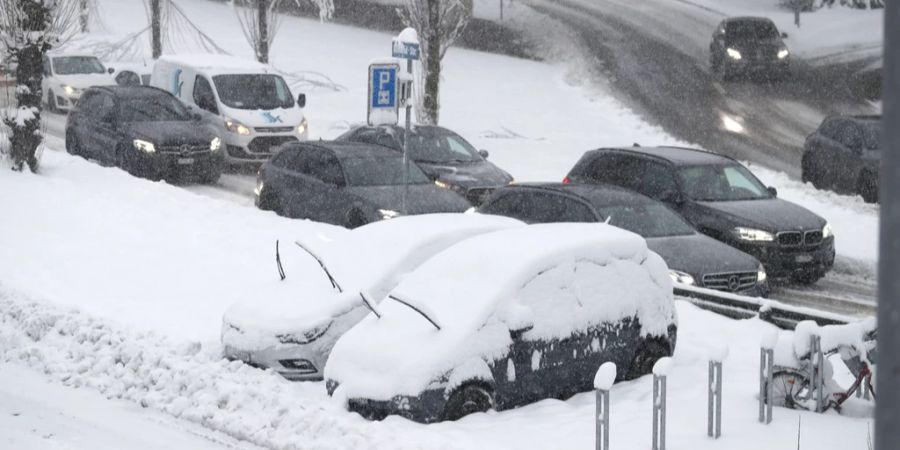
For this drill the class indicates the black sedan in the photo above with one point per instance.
(693, 258)
(844, 154)
(722, 199)
(749, 46)
(349, 184)
(451, 161)
(144, 130)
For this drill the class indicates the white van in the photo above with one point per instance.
(248, 103)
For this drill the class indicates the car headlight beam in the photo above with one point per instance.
(827, 231)
(761, 275)
(783, 53)
(302, 127)
(752, 234)
(144, 146)
(733, 54)
(236, 127)
(69, 90)
(679, 277)
(215, 144)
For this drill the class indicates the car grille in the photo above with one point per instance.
(185, 149)
(797, 238)
(812, 238)
(731, 282)
(267, 144)
(274, 129)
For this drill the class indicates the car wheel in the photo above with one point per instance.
(807, 278)
(355, 218)
(647, 355)
(72, 146)
(789, 387)
(468, 399)
(267, 201)
(867, 187)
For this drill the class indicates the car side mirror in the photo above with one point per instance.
(301, 100)
(784, 35)
(518, 332)
(110, 70)
(484, 153)
(772, 191)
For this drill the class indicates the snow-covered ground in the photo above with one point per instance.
(148, 269)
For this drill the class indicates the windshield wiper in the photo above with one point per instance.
(421, 313)
(334, 282)
(369, 305)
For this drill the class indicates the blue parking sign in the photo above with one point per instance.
(383, 99)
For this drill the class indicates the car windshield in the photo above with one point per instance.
(380, 171)
(647, 219)
(752, 30)
(157, 108)
(721, 183)
(872, 135)
(253, 91)
(440, 146)
(74, 65)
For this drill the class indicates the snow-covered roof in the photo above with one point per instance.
(479, 289)
(214, 64)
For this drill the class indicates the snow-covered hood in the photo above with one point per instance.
(279, 117)
(172, 133)
(86, 80)
(475, 292)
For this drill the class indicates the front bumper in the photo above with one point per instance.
(293, 362)
(256, 148)
(427, 407)
(786, 261)
(196, 163)
(757, 66)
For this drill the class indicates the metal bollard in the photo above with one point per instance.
(766, 368)
(660, 372)
(817, 370)
(603, 381)
(714, 397)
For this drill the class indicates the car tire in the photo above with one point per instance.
(72, 146)
(808, 278)
(867, 187)
(355, 219)
(647, 355)
(468, 399)
(267, 201)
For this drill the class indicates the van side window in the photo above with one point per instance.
(203, 95)
(46, 62)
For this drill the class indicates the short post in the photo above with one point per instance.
(714, 397)
(660, 372)
(603, 381)
(766, 368)
(817, 372)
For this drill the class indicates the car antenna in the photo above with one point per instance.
(334, 282)
(421, 313)
(278, 262)
(369, 305)
(608, 218)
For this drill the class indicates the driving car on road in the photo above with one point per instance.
(748, 46)
(447, 158)
(145, 131)
(722, 199)
(844, 154)
(508, 318)
(348, 184)
(290, 325)
(66, 76)
(693, 258)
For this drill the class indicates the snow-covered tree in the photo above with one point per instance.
(439, 23)
(260, 20)
(28, 29)
(859, 4)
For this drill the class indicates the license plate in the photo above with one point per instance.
(185, 160)
(803, 258)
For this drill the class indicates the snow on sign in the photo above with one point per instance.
(383, 101)
(404, 50)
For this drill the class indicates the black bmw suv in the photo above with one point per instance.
(748, 45)
(722, 199)
(145, 131)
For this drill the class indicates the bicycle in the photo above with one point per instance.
(793, 387)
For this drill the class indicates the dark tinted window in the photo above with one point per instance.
(721, 183)
(288, 158)
(534, 206)
(649, 219)
(507, 204)
(849, 135)
(380, 171)
(106, 107)
(323, 165)
(203, 95)
(751, 29)
(70, 65)
(657, 180)
(89, 103)
(128, 78)
(153, 108)
(254, 91)
(439, 145)
(620, 170)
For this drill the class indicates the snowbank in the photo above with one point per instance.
(593, 272)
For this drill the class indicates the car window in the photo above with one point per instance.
(721, 183)
(439, 145)
(71, 65)
(288, 159)
(89, 103)
(507, 204)
(105, 107)
(620, 170)
(384, 140)
(533, 206)
(657, 180)
(829, 128)
(324, 166)
(650, 219)
(204, 97)
(849, 135)
(380, 171)
(751, 30)
(128, 78)
(153, 108)
(253, 91)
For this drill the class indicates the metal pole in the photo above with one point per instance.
(409, 70)
(659, 412)
(887, 408)
(714, 400)
(602, 438)
(155, 33)
(263, 25)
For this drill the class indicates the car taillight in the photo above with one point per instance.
(566, 180)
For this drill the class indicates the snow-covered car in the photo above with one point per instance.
(508, 318)
(67, 75)
(291, 325)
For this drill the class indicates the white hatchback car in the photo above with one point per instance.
(291, 325)
(66, 76)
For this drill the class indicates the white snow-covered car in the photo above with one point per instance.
(67, 75)
(291, 325)
(508, 318)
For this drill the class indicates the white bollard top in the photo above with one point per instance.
(769, 340)
(662, 367)
(718, 353)
(606, 376)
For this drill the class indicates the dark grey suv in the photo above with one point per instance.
(722, 199)
(748, 46)
(844, 154)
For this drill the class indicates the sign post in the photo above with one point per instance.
(406, 46)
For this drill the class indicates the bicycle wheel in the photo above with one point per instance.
(790, 389)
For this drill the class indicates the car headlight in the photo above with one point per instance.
(259, 188)
(302, 127)
(679, 277)
(388, 213)
(442, 184)
(752, 234)
(236, 127)
(215, 144)
(826, 231)
(145, 146)
(69, 90)
(732, 53)
(304, 337)
(783, 53)
(761, 274)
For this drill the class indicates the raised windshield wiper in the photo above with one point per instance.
(369, 305)
(334, 282)
(421, 313)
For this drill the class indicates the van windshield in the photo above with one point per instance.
(253, 91)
